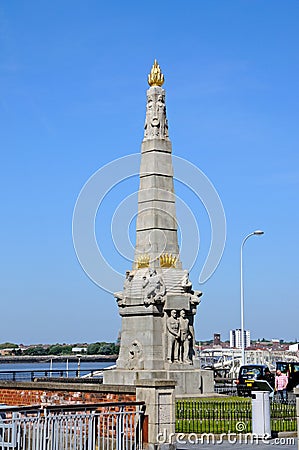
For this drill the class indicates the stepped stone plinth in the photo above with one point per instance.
(158, 304)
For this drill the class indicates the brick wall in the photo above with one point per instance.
(51, 393)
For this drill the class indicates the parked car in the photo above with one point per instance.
(291, 369)
(250, 373)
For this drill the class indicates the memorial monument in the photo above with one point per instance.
(158, 304)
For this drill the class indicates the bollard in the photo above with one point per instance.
(261, 425)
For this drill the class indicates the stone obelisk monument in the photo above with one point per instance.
(157, 304)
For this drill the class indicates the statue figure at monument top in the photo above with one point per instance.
(156, 124)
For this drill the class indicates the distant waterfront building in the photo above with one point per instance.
(217, 339)
(6, 351)
(294, 347)
(79, 349)
(235, 338)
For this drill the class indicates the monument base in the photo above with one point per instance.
(189, 381)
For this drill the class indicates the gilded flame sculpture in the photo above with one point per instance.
(156, 77)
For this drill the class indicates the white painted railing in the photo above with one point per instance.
(105, 428)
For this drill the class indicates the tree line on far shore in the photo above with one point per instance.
(95, 348)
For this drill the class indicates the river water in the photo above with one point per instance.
(56, 365)
(25, 371)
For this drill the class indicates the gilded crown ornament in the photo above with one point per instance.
(143, 261)
(156, 77)
(168, 260)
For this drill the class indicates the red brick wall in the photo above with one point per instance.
(24, 396)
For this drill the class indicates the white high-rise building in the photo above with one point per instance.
(235, 338)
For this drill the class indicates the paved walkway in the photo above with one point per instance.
(234, 442)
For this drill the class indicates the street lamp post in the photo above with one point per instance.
(254, 233)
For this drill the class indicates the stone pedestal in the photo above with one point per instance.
(188, 381)
(159, 398)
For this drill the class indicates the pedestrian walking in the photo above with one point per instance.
(281, 382)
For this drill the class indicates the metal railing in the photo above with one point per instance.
(105, 426)
(283, 415)
(30, 375)
(224, 416)
(212, 416)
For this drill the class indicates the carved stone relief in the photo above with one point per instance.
(186, 283)
(154, 288)
(187, 286)
(156, 124)
(135, 360)
(122, 296)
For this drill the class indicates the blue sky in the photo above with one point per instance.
(72, 98)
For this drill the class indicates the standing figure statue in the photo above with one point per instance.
(154, 287)
(156, 124)
(149, 114)
(173, 336)
(185, 338)
(161, 114)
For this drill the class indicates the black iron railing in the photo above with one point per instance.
(30, 375)
(230, 415)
